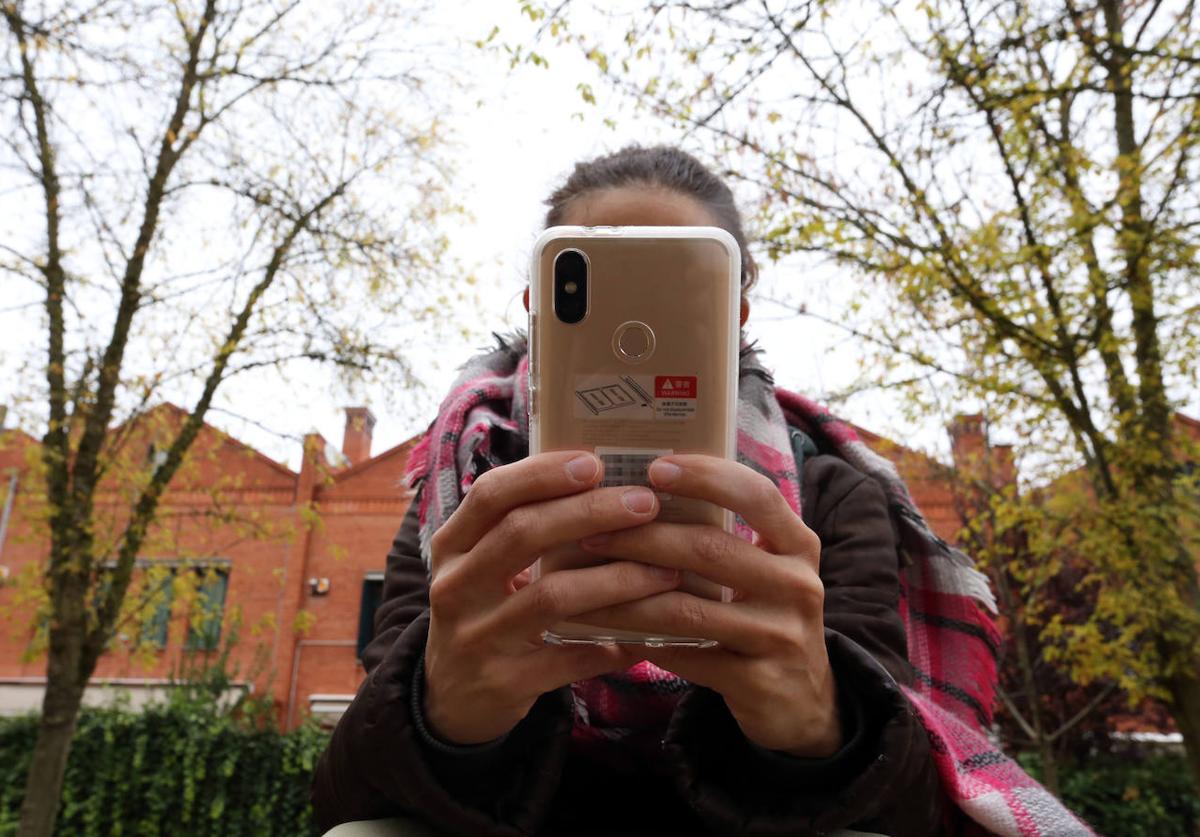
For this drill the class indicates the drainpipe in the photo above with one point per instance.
(312, 471)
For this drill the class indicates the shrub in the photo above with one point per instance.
(188, 767)
(1131, 795)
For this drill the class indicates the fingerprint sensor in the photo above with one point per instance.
(633, 342)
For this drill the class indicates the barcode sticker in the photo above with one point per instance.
(627, 466)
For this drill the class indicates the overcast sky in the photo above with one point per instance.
(516, 134)
(521, 131)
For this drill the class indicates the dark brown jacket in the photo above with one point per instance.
(382, 762)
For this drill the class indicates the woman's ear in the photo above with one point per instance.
(526, 301)
(745, 307)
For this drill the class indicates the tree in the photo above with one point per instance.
(202, 190)
(1019, 180)
(1041, 708)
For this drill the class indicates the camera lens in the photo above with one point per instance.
(570, 286)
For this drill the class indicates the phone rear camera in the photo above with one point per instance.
(571, 286)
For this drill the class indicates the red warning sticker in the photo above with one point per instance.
(675, 386)
(636, 398)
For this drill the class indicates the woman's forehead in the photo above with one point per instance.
(648, 206)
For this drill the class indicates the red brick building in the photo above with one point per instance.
(294, 554)
(298, 555)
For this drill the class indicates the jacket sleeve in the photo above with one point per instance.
(381, 762)
(884, 779)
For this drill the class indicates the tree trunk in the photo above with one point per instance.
(43, 785)
(1185, 697)
(1049, 765)
(1029, 679)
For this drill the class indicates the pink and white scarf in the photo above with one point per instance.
(952, 640)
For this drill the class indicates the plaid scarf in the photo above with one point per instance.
(952, 641)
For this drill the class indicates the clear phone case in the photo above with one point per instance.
(651, 369)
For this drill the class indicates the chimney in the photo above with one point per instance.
(356, 444)
(968, 444)
(1004, 466)
(975, 457)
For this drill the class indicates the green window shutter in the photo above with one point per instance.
(204, 634)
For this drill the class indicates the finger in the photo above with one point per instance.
(707, 551)
(563, 594)
(522, 579)
(554, 666)
(498, 491)
(738, 627)
(736, 487)
(528, 531)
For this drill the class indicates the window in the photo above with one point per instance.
(159, 591)
(156, 456)
(372, 592)
(8, 492)
(155, 595)
(103, 585)
(204, 624)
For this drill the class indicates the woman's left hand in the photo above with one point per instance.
(771, 666)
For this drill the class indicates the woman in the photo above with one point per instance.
(800, 722)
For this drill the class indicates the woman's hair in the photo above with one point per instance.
(664, 167)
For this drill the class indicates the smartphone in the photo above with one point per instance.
(633, 354)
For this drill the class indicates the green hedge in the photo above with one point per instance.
(187, 768)
(1131, 795)
(192, 768)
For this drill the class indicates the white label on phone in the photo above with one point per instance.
(628, 466)
(636, 397)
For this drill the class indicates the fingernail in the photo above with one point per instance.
(638, 500)
(664, 473)
(665, 573)
(596, 541)
(582, 468)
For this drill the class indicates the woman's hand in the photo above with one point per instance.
(485, 661)
(771, 666)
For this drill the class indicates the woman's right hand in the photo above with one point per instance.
(485, 661)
